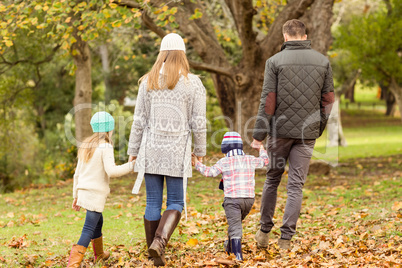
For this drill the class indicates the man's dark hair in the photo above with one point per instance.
(294, 28)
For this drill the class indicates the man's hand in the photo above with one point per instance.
(256, 144)
(132, 158)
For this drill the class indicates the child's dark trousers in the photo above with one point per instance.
(236, 209)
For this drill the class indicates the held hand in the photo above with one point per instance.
(131, 164)
(132, 158)
(194, 159)
(256, 144)
(74, 205)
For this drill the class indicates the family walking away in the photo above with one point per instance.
(91, 185)
(238, 171)
(168, 136)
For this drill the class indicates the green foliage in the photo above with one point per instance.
(266, 13)
(63, 21)
(19, 146)
(343, 65)
(374, 43)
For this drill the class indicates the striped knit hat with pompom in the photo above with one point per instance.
(231, 140)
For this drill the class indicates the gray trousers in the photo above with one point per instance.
(299, 153)
(236, 209)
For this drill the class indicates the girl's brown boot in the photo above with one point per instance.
(76, 256)
(97, 245)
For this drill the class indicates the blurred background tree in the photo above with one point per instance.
(374, 45)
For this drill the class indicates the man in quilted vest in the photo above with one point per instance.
(296, 101)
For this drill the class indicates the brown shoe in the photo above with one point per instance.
(168, 223)
(76, 255)
(99, 254)
(262, 239)
(283, 243)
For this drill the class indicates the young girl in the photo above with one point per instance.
(238, 172)
(91, 185)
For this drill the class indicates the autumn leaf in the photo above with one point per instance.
(192, 242)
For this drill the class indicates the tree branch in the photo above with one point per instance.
(209, 68)
(148, 21)
(243, 13)
(48, 58)
(199, 32)
(274, 39)
(348, 84)
(127, 3)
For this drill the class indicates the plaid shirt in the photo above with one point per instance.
(237, 173)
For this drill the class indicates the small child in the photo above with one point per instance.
(238, 172)
(91, 185)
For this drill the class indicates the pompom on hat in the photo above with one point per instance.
(172, 41)
(102, 122)
(231, 140)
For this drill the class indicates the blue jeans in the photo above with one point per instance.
(92, 228)
(154, 189)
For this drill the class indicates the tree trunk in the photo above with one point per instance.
(334, 127)
(83, 90)
(240, 109)
(396, 89)
(104, 55)
(350, 94)
(335, 130)
(389, 98)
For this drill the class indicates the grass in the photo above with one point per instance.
(367, 133)
(341, 201)
(366, 98)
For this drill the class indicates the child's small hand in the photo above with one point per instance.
(74, 205)
(132, 163)
(194, 160)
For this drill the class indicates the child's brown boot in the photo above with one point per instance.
(97, 244)
(76, 256)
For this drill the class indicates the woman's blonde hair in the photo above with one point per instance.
(88, 147)
(176, 64)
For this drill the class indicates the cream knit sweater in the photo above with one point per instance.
(91, 180)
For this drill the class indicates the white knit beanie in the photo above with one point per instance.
(172, 41)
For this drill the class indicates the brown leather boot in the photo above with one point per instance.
(150, 229)
(99, 254)
(76, 256)
(168, 223)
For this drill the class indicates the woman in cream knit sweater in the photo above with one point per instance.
(169, 114)
(91, 185)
